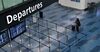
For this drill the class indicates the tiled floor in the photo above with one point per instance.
(90, 24)
(53, 33)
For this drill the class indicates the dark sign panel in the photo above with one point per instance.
(13, 16)
(4, 38)
(17, 30)
(11, 33)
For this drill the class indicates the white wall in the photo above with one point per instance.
(78, 5)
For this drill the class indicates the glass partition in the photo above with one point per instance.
(1, 5)
(10, 3)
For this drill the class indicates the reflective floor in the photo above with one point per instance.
(54, 34)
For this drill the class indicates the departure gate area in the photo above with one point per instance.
(53, 33)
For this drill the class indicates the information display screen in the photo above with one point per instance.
(12, 33)
(4, 38)
(17, 30)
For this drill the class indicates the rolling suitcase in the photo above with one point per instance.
(73, 28)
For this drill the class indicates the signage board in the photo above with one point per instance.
(17, 30)
(4, 38)
(14, 15)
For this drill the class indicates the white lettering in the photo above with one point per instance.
(24, 13)
(29, 10)
(15, 17)
(19, 15)
(9, 19)
(41, 5)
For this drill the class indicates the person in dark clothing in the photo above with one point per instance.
(41, 14)
(91, 7)
(77, 24)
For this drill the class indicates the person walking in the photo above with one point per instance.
(77, 24)
(41, 14)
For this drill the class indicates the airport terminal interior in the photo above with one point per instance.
(53, 32)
